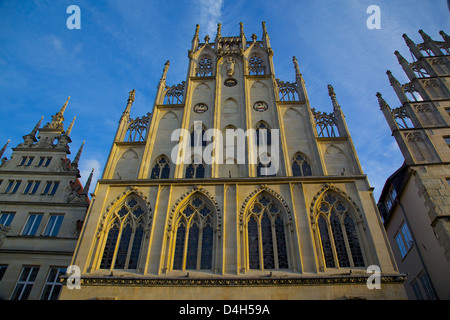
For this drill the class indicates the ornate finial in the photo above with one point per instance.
(254, 37)
(331, 92)
(206, 39)
(197, 28)
(381, 101)
(219, 30)
(58, 118)
(69, 129)
(241, 28)
(425, 37)
(165, 70)
(297, 69)
(400, 58)
(131, 96)
(444, 36)
(264, 28)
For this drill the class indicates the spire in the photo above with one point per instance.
(4, 148)
(302, 94)
(431, 44)
(332, 94)
(265, 37)
(297, 69)
(382, 102)
(77, 157)
(445, 36)
(88, 183)
(126, 112)
(69, 129)
(164, 75)
(28, 139)
(195, 39)
(405, 65)
(58, 118)
(397, 87)
(242, 35)
(412, 47)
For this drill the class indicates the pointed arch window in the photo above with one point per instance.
(194, 243)
(300, 166)
(195, 169)
(338, 234)
(161, 169)
(264, 167)
(124, 240)
(266, 235)
(263, 134)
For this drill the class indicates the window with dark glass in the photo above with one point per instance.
(161, 170)
(338, 234)
(266, 234)
(300, 166)
(25, 283)
(124, 240)
(195, 225)
(53, 286)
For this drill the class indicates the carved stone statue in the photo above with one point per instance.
(230, 66)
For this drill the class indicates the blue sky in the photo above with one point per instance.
(123, 45)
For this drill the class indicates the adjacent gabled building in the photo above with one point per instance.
(42, 209)
(415, 201)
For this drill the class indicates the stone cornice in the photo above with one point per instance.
(214, 282)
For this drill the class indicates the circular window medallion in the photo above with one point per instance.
(200, 108)
(230, 82)
(260, 106)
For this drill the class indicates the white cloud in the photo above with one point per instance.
(86, 167)
(210, 14)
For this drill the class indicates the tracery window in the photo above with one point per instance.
(338, 235)
(325, 124)
(124, 240)
(174, 94)
(300, 166)
(256, 66)
(194, 240)
(287, 91)
(266, 236)
(204, 67)
(137, 129)
(161, 170)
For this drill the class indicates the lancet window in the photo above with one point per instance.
(161, 169)
(194, 240)
(125, 234)
(195, 169)
(300, 166)
(263, 134)
(266, 235)
(338, 234)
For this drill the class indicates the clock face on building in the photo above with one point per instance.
(230, 82)
(200, 108)
(260, 106)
